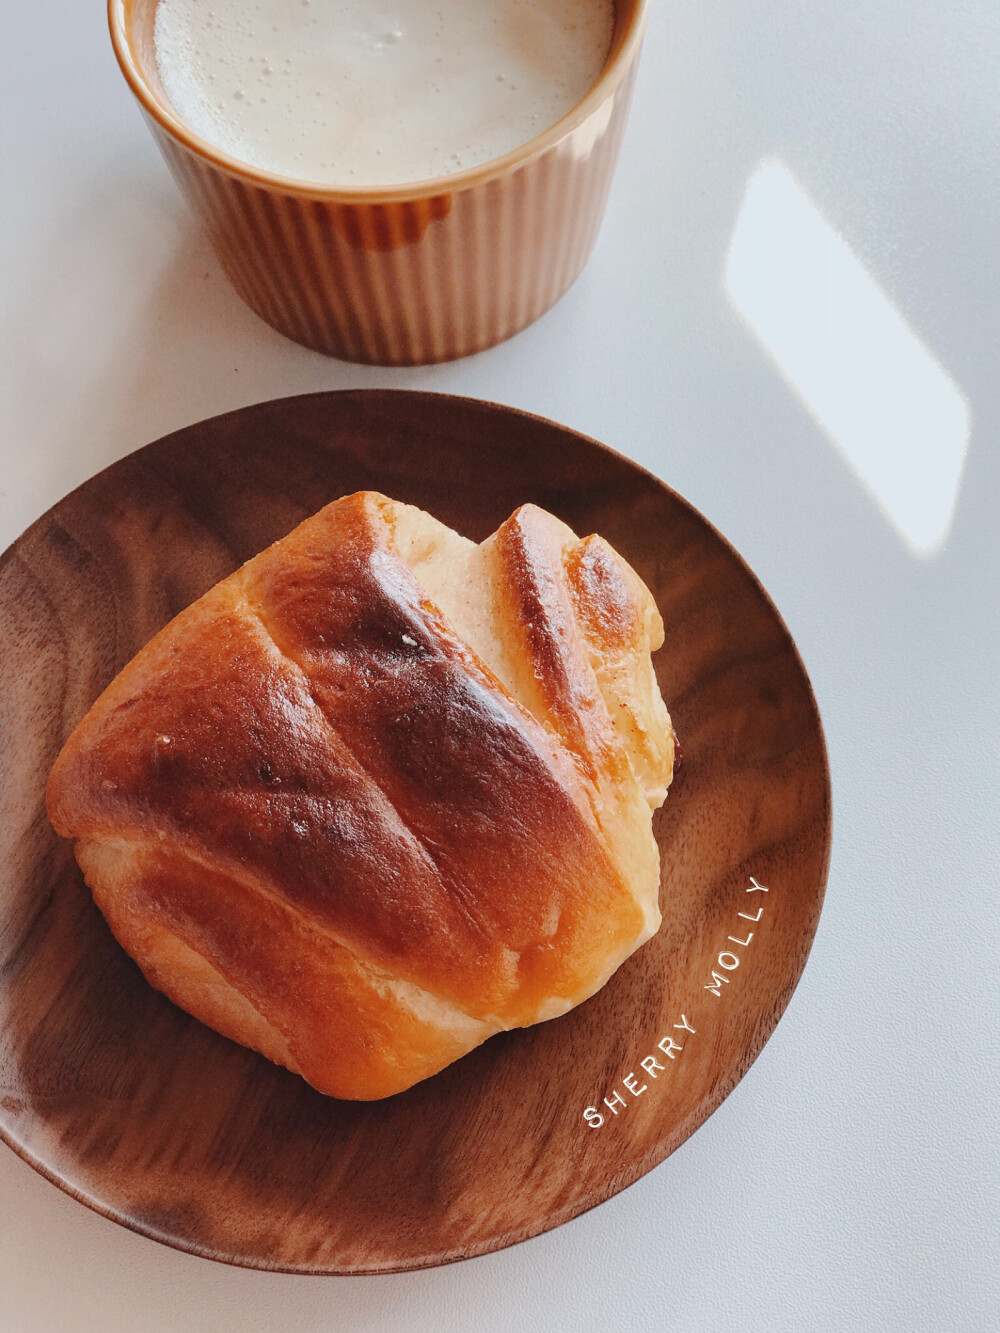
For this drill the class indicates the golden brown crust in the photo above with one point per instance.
(618, 619)
(535, 552)
(318, 1009)
(360, 820)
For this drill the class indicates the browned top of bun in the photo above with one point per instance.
(316, 730)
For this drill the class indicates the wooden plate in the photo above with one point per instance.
(139, 1111)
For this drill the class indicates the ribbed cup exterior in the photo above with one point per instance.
(411, 280)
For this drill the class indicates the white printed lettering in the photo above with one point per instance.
(727, 961)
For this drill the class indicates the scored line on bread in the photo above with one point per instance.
(382, 792)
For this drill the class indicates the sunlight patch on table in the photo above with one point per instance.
(895, 415)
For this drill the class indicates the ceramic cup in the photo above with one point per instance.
(408, 274)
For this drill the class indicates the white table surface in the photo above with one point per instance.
(850, 1182)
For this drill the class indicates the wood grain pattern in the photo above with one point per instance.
(157, 1122)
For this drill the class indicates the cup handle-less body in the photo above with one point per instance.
(401, 275)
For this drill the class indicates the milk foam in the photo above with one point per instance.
(376, 92)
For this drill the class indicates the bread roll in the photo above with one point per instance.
(382, 792)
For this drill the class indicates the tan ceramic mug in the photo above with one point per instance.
(401, 275)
